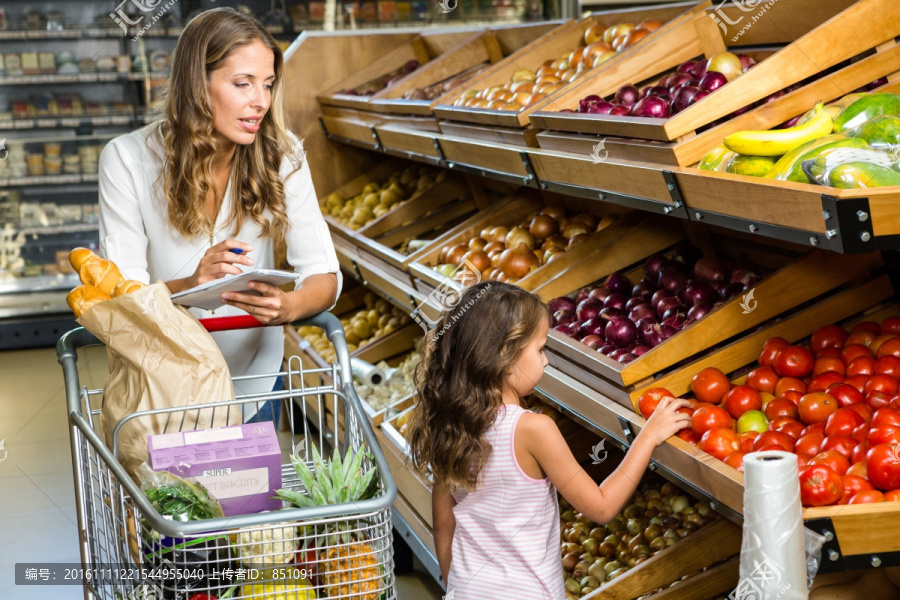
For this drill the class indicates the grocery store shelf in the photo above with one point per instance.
(35, 332)
(38, 283)
(80, 78)
(57, 229)
(47, 180)
(45, 122)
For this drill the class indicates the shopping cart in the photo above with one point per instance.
(130, 551)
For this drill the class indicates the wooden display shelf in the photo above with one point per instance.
(679, 31)
(775, 294)
(865, 25)
(688, 151)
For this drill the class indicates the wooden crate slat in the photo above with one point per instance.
(781, 22)
(709, 584)
(402, 139)
(502, 159)
(862, 528)
(433, 220)
(416, 490)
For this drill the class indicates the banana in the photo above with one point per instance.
(781, 141)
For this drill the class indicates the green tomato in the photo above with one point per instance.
(753, 420)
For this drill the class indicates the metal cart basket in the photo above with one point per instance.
(129, 550)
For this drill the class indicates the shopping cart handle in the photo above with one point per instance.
(230, 323)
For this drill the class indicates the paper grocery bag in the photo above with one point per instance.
(160, 356)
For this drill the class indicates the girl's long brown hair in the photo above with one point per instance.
(460, 380)
(187, 134)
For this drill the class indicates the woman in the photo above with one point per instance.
(218, 172)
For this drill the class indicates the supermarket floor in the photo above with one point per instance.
(37, 500)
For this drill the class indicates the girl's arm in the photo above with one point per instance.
(548, 447)
(442, 504)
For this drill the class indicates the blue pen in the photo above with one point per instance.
(236, 251)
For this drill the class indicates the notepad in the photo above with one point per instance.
(208, 294)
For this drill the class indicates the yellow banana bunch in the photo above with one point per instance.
(776, 142)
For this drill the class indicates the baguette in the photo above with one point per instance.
(126, 286)
(84, 297)
(78, 256)
(100, 273)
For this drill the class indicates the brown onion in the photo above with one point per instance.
(543, 226)
(551, 252)
(557, 254)
(578, 239)
(456, 253)
(556, 241)
(517, 262)
(589, 220)
(485, 233)
(478, 258)
(517, 236)
(443, 257)
(574, 228)
(495, 258)
(555, 211)
(477, 243)
(498, 234)
(539, 254)
(494, 247)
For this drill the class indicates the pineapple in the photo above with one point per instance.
(348, 560)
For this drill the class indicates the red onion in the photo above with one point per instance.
(592, 327)
(677, 81)
(615, 354)
(592, 341)
(682, 98)
(746, 61)
(751, 283)
(632, 302)
(698, 311)
(645, 91)
(587, 102)
(626, 358)
(607, 349)
(653, 264)
(640, 311)
(602, 108)
(658, 296)
(740, 111)
(686, 254)
(671, 279)
(876, 84)
(652, 106)
(674, 312)
(711, 269)
(568, 330)
(741, 274)
(615, 301)
(611, 313)
(789, 122)
(600, 293)
(647, 321)
(665, 332)
(675, 321)
(617, 283)
(619, 111)
(698, 291)
(731, 290)
(627, 94)
(562, 303)
(699, 69)
(582, 295)
(589, 309)
(564, 317)
(686, 66)
(649, 333)
(640, 350)
(666, 304)
(712, 81)
(699, 96)
(621, 332)
(644, 289)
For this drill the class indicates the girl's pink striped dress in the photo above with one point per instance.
(507, 530)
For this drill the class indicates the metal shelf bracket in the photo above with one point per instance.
(848, 223)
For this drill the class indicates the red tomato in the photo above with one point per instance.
(814, 428)
(719, 442)
(763, 379)
(839, 443)
(883, 435)
(770, 349)
(787, 425)
(828, 353)
(888, 365)
(881, 383)
(710, 385)
(817, 407)
(864, 410)
(793, 396)
(895, 403)
(740, 399)
(883, 467)
(857, 381)
(830, 336)
(845, 394)
(889, 348)
(878, 400)
(650, 399)
(747, 438)
(774, 438)
(820, 486)
(802, 460)
(858, 469)
(822, 382)
(852, 351)
(861, 433)
(689, 435)
(863, 338)
(710, 417)
(831, 458)
(878, 342)
(860, 452)
(770, 447)
(852, 486)
(735, 460)
(867, 496)
(891, 325)
(789, 384)
(863, 365)
(868, 326)
(827, 365)
(809, 443)
(793, 361)
(843, 421)
(885, 416)
(892, 496)
(780, 407)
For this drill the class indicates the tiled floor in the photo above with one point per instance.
(37, 499)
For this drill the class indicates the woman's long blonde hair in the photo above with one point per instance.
(465, 366)
(187, 134)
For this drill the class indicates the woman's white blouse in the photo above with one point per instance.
(135, 234)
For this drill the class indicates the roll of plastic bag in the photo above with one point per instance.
(367, 373)
(773, 552)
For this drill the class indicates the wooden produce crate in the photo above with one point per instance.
(511, 212)
(863, 26)
(775, 294)
(513, 127)
(575, 132)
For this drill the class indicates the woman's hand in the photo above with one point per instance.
(272, 306)
(220, 261)
(666, 421)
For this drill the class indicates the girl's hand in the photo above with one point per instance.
(272, 307)
(220, 261)
(666, 421)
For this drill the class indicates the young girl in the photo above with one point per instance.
(496, 466)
